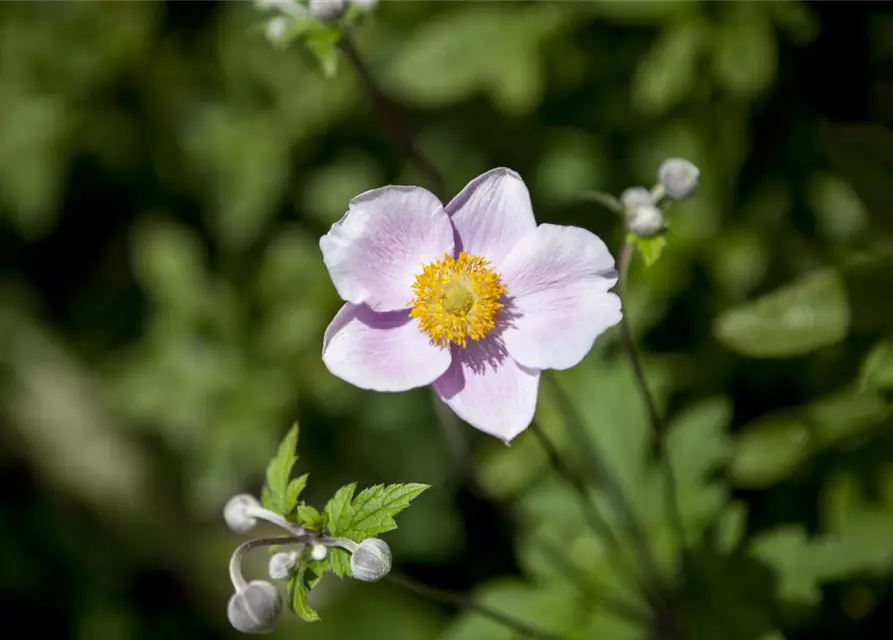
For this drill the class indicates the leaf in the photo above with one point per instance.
(803, 316)
(373, 510)
(339, 510)
(297, 595)
(452, 57)
(310, 518)
(802, 564)
(863, 156)
(323, 44)
(667, 74)
(768, 450)
(746, 55)
(339, 562)
(279, 494)
(650, 248)
(877, 368)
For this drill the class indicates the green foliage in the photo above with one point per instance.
(298, 590)
(450, 58)
(650, 248)
(803, 316)
(281, 493)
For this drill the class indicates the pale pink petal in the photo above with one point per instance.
(381, 351)
(375, 251)
(558, 300)
(491, 215)
(489, 390)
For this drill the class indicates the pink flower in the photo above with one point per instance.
(474, 298)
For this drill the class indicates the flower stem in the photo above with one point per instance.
(235, 561)
(594, 518)
(658, 426)
(464, 602)
(600, 473)
(386, 110)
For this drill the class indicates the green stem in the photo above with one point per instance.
(461, 601)
(600, 472)
(594, 518)
(387, 112)
(657, 423)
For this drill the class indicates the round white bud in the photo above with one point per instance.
(319, 552)
(255, 608)
(276, 29)
(281, 564)
(679, 178)
(366, 6)
(371, 561)
(289, 7)
(236, 512)
(326, 10)
(646, 221)
(635, 197)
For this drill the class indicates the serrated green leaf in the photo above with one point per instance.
(310, 518)
(803, 316)
(340, 511)
(375, 507)
(802, 563)
(279, 494)
(297, 595)
(339, 562)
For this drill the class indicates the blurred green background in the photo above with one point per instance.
(165, 175)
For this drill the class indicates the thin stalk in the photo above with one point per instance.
(658, 426)
(587, 583)
(235, 561)
(461, 601)
(386, 110)
(601, 473)
(594, 518)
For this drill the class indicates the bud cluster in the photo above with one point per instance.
(677, 180)
(288, 12)
(255, 606)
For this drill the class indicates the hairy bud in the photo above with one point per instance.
(255, 608)
(236, 512)
(371, 561)
(679, 178)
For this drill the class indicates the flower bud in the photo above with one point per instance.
(371, 561)
(255, 608)
(366, 6)
(646, 221)
(236, 512)
(289, 7)
(281, 564)
(326, 10)
(276, 29)
(319, 552)
(635, 197)
(679, 178)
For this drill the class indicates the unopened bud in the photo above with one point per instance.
(289, 7)
(326, 10)
(646, 221)
(255, 608)
(371, 561)
(236, 512)
(281, 564)
(319, 552)
(635, 197)
(679, 178)
(366, 6)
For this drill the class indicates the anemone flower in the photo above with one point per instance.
(473, 298)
